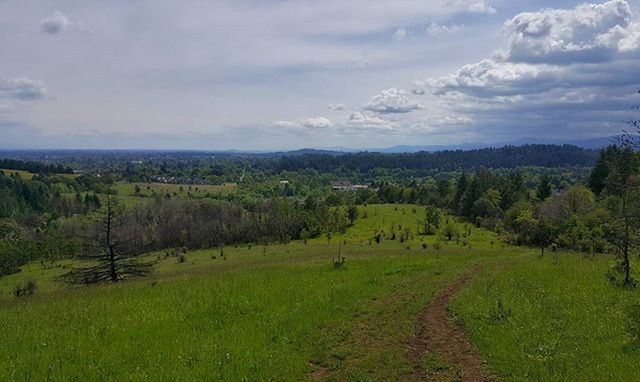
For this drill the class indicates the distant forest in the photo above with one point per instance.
(34, 167)
(505, 157)
(165, 162)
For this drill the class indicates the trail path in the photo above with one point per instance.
(437, 335)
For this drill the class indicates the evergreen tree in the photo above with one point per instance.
(544, 189)
(600, 171)
(461, 187)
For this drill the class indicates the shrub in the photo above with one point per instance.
(339, 263)
(27, 289)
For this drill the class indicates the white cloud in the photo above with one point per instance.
(336, 106)
(493, 78)
(435, 29)
(55, 23)
(316, 123)
(563, 70)
(284, 124)
(586, 33)
(22, 88)
(472, 6)
(358, 118)
(400, 34)
(455, 120)
(392, 100)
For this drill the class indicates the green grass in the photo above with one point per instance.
(560, 320)
(257, 324)
(281, 312)
(260, 313)
(23, 174)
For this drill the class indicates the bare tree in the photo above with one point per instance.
(623, 185)
(631, 139)
(623, 182)
(111, 251)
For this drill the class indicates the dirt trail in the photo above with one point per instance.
(436, 334)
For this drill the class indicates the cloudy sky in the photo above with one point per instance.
(285, 74)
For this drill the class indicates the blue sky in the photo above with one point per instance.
(269, 74)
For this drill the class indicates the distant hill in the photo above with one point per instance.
(594, 144)
(448, 160)
(58, 155)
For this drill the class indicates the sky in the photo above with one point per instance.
(289, 74)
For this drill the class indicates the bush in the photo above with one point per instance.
(27, 289)
(339, 263)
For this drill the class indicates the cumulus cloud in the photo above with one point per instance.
(573, 68)
(22, 88)
(492, 78)
(455, 120)
(391, 101)
(316, 123)
(400, 34)
(284, 124)
(358, 118)
(55, 23)
(587, 33)
(336, 106)
(472, 6)
(435, 29)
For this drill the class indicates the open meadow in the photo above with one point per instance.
(286, 312)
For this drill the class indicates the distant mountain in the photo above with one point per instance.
(593, 144)
(54, 155)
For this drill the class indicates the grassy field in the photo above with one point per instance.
(553, 319)
(277, 312)
(23, 174)
(282, 312)
(29, 175)
(148, 189)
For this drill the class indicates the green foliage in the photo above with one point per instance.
(450, 230)
(601, 170)
(352, 214)
(544, 189)
(307, 312)
(433, 215)
(28, 289)
(564, 321)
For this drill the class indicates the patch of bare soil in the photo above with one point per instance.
(438, 337)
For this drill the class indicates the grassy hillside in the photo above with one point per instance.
(284, 312)
(23, 174)
(275, 312)
(553, 319)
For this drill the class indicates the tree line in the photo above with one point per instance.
(34, 167)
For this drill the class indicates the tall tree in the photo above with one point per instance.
(623, 185)
(461, 188)
(623, 182)
(544, 189)
(432, 220)
(110, 253)
(601, 169)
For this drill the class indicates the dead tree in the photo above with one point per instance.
(110, 251)
(623, 181)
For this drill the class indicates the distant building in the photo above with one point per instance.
(346, 186)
